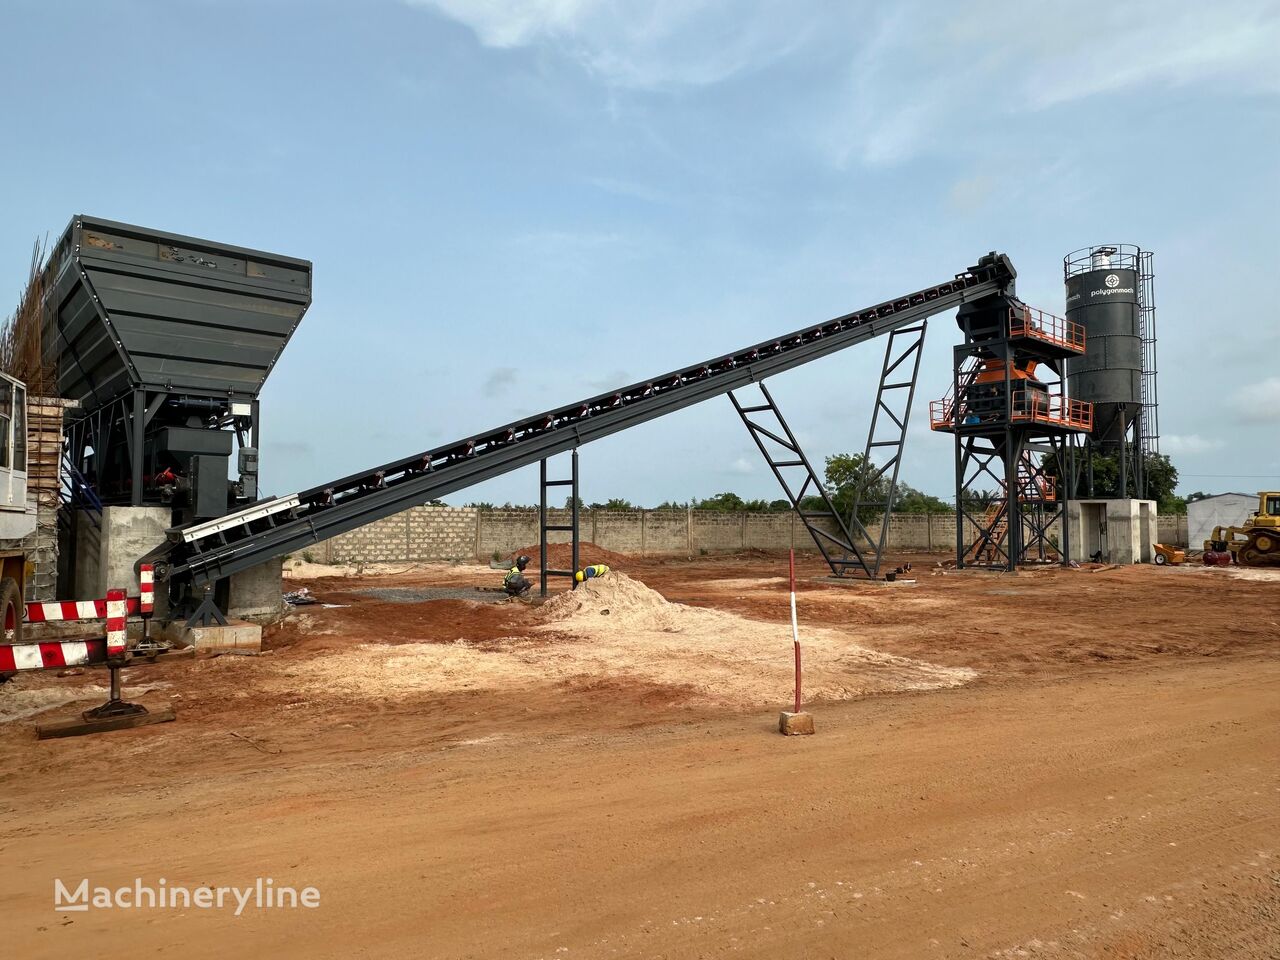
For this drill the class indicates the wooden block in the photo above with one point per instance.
(795, 724)
(78, 726)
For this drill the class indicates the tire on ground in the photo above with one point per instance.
(12, 609)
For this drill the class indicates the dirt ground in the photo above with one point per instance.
(1080, 763)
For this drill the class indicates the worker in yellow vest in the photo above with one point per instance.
(587, 573)
(515, 583)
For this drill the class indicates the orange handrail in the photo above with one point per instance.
(1025, 321)
(1052, 409)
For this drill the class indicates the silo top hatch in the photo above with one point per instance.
(131, 307)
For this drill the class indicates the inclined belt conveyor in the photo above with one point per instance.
(204, 552)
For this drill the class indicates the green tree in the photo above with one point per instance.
(1162, 478)
(614, 503)
(976, 501)
(852, 477)
(911, 500)
(725, 502)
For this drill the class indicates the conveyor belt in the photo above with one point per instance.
(213, 549)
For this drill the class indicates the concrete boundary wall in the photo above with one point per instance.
(467, 533)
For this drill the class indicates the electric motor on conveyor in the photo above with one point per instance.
(587, 573)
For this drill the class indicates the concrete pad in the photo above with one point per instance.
(237, 634)
(864, 582)
(795, 724)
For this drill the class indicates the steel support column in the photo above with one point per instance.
(796, 476)
(544, 527)
(137, 429)
(895, 395)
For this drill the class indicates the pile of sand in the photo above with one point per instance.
(1255, 573)
(619, 630)
(636, 632)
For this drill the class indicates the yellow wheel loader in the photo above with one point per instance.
(1257, 542)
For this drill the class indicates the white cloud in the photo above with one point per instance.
(499, 380)
(917, 72)
(1257, 402)
(920, 76)
(1190, 443)
(663, 44)
(1171, 44)
(971, 193)
(742, 467)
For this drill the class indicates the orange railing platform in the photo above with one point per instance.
(1028, 407)
(1053, 409)
(1035, 324)
(940, 415)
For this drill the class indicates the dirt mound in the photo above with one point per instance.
(560, 555)
(629, 603)
(616, 630)
(635, 632)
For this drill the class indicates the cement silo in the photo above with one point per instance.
(1110, 294)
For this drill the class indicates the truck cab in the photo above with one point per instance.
(17, 520)
(1268, 514)
(17, 517)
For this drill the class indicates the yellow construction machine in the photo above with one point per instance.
(1257, 542)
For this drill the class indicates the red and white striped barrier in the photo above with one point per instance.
(115, 609)
(56, 611)
(45, 656)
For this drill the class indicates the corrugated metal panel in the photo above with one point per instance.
(133, 306)
(1223, 509)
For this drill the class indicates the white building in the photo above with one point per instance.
(1223, 509)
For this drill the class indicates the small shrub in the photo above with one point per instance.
(308, 556)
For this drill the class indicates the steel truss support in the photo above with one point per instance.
(796, 476)
(980, 459)
(887, 436)
(544, 527)
(1016, 525)
(207, 612)
(1043, 500)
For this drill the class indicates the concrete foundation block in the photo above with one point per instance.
(795, 724)
(257, 593)
(106, 551)
(237, 634)
(1122, 531)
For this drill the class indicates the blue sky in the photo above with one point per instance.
(514, 205)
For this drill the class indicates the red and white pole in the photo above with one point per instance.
(146, 589)
(795, 628)
(117, 614)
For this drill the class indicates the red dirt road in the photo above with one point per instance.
(1108, 787)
